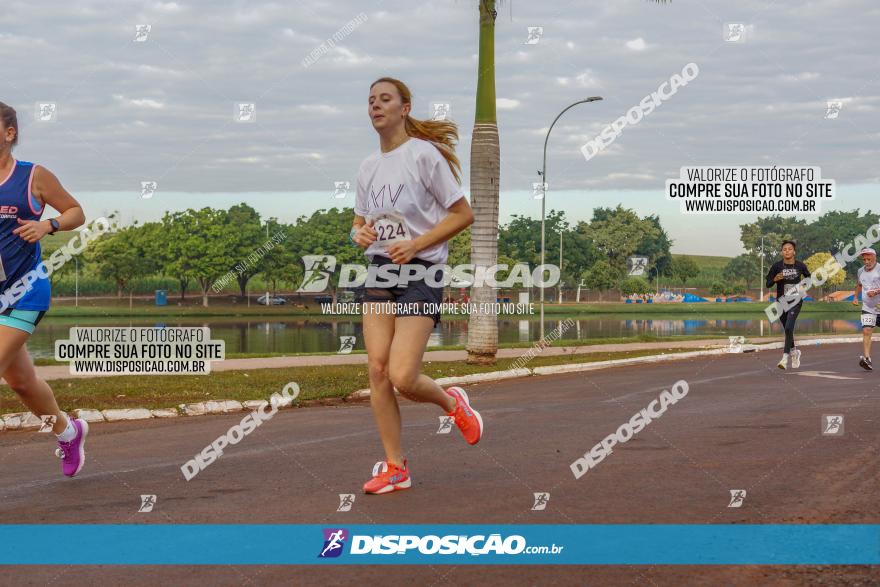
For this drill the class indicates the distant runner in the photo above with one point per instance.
(787, 274)
(869, 287)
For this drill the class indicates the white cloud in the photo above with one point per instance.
(636, 44)
(800, 77)
(167, 7)
(318, 108)
(346, 56)
(140, 102)
(587, 79)
(506, 104)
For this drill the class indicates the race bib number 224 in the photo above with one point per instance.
(390, 227)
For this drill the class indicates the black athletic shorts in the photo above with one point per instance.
(417, 298)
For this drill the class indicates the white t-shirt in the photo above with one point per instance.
(407, 192)
(870, 280)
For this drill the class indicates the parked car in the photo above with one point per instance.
(268, 300)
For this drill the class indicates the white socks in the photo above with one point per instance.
(69, 433)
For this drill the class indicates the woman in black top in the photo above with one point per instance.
(787, 274)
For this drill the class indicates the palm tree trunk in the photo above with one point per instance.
(482, 344)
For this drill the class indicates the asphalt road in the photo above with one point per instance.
(743, 425)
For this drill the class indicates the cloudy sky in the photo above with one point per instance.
(163, 109)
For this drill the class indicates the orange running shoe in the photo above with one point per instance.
(387, 478)
(466, 418)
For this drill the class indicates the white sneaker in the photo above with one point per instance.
(783, 364)
(795, 358)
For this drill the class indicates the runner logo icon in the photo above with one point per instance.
(832, 425)
(737, 497)
(318, 270)
(334, 542)
(445, 424)
(346, 500)
(541, 500)
(148, 502)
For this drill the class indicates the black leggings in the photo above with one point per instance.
(787, 319)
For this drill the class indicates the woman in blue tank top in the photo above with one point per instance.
(25, 190)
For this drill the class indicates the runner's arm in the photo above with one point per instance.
(362, 234)
(774, 270)
(460, 217)
(856, 293)
(805, 271)
(48, 190)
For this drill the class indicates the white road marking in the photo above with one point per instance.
(825, 374)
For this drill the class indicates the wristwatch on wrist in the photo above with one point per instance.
(55, 226)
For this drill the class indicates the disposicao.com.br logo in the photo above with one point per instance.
(320, 268)
(334, 541)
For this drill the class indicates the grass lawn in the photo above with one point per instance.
(144, 310)
(317, 383)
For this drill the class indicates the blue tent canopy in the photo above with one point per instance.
(689, 297)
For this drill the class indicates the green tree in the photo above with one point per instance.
(618, 233)
(818, 260)
(684, 268)
(774, 229)
(520, 239)
(280, 262)
(121, 257)
(246, 237)
(724, 288)
(170, 255)
(634, 286)
(201, 246)
(833, 231)
(743, 268)
(325, 232)
(656, 246)
(460, 248)
(601, 277)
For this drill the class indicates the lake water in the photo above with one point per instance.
(317, 334)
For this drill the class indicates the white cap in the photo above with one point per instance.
(867, 251)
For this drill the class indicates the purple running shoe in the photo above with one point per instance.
(73, 453)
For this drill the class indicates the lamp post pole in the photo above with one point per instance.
(761, 277)
(544, 185)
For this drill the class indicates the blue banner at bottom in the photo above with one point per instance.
(269, 544)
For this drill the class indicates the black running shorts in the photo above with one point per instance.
(417, 298)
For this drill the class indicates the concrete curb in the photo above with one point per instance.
(595, 365)
(27, 421)
(577, 367)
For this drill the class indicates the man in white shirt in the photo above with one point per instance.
(869, 286)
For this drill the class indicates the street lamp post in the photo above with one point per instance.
(560, 264)
(761, 277)
(544, 185)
